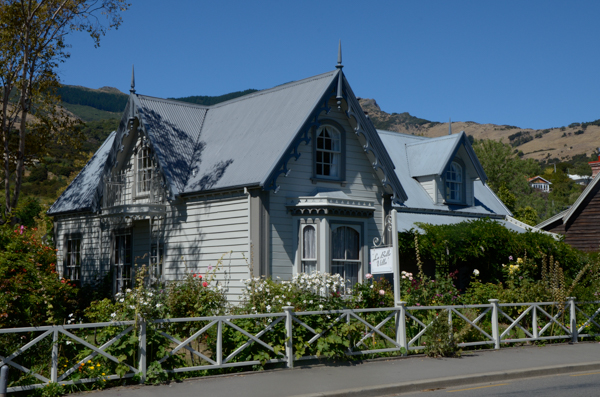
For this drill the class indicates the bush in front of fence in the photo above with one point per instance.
(32, 293)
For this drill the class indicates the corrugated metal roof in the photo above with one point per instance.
(486, 202)
(82, 194)
(174, 129)
(244, 138)
(408, 220)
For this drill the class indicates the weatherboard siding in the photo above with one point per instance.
(428, 184)
(201, 232)
(361, 183)
(94, 245)
(583, 229)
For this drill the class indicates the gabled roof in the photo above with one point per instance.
(82, 194)
(552, 221)
(590, 189)
(539, 177)
(397, 144)
(433, 156)
(243, 142)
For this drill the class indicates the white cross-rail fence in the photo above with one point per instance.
(62, 351)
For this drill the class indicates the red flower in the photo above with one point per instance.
(200, 276)
(194, 275)
(205, 284)
(63, 281)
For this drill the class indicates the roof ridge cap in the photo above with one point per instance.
(274, 89)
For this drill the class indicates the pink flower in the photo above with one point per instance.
(209, 268)
(510, 258)
(205, 284)
(22, 228)
(368, 276)
(381, 292)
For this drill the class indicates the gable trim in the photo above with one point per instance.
(588, 190)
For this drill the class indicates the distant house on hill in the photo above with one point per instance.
(295, 177)
(583, 180)
(580, 224)
(537, 182)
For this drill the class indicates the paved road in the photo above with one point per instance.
(582, 384)
(385, 377)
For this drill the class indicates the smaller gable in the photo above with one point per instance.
(434, 156)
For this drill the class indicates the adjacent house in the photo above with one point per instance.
(539, 183)
(286, 180)
(580, 223)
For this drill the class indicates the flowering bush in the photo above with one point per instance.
(32, 293)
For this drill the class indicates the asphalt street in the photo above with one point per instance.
(386, 377)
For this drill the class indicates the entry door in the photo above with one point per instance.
(122, 261)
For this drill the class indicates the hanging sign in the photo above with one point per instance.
(382, 260)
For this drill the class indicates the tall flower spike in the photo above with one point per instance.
(132, 90)
(339, 66)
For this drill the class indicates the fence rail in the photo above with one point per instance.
(397, 329)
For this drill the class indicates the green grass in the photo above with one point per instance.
(88, 113)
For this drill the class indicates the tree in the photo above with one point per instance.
(32, 45)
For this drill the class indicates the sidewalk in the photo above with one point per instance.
(385, 376)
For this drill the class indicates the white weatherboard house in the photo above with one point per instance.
(295, 178)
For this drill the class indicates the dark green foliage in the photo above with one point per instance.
(111, 102)
(519, 138)
(484, 245)
(404, 119)
(578, 132)
(213, 100)
(27, 211)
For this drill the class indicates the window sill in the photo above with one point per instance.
(336, 181)
(457, 203)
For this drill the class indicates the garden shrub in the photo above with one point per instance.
(482, 244)
(439, 339)
(32, 293)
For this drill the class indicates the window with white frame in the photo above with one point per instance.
(122, 261)
(72, 259)
(454, 183)
(308, 249)
(346, 253)
(144, 171)
(328, 154)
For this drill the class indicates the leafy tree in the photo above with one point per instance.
(31, 48)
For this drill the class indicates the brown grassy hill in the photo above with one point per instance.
(562, 143)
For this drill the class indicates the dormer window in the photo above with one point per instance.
(144, 171)
(328, 154)
(454, 183)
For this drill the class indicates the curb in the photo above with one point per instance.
(406, 387)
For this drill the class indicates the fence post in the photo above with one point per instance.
(3, 380)
(534, 323)
(220, 342)
(289, 346)
(54, 370)
(401, 325)
(573, 320)
(142, 351)
(495, 328)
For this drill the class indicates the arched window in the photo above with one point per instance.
(309, 249)
(328, 152)
(144, 171)
(454, 183)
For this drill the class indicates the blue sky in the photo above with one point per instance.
(533, 64)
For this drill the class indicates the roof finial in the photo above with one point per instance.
(450, 126)
(132, 90)
(339, 66)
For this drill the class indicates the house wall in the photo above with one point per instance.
(200, 232)
(429, 184)
(583, 229)
(361, 183)
(95, 245)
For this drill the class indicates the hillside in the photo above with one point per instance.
(548, 145)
